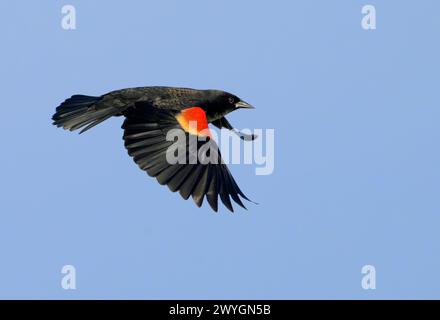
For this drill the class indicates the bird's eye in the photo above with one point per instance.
(231, 100)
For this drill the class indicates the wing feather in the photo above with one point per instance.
(145, 138)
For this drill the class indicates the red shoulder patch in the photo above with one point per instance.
(193, 120)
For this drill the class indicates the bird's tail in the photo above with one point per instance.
(80, 111)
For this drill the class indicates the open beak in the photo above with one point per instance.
(244, 105)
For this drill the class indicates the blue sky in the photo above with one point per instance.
(357, 171)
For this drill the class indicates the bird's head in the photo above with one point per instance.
(219, 103)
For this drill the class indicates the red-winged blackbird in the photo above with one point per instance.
(150, 112)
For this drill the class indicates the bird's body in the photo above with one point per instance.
(150, 113)
(167, 98)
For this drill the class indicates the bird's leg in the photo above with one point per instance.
(224, 123)
(245, 136)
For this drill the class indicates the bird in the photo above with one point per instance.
(150, 114)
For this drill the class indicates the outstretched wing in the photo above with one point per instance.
(145, 136)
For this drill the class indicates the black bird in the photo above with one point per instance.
(150, 112)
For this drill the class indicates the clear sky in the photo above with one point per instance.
(357, 162)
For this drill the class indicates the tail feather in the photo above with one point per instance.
(81, 111)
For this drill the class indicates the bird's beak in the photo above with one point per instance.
(244, 105)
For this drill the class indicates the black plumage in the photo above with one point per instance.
(150, 113)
